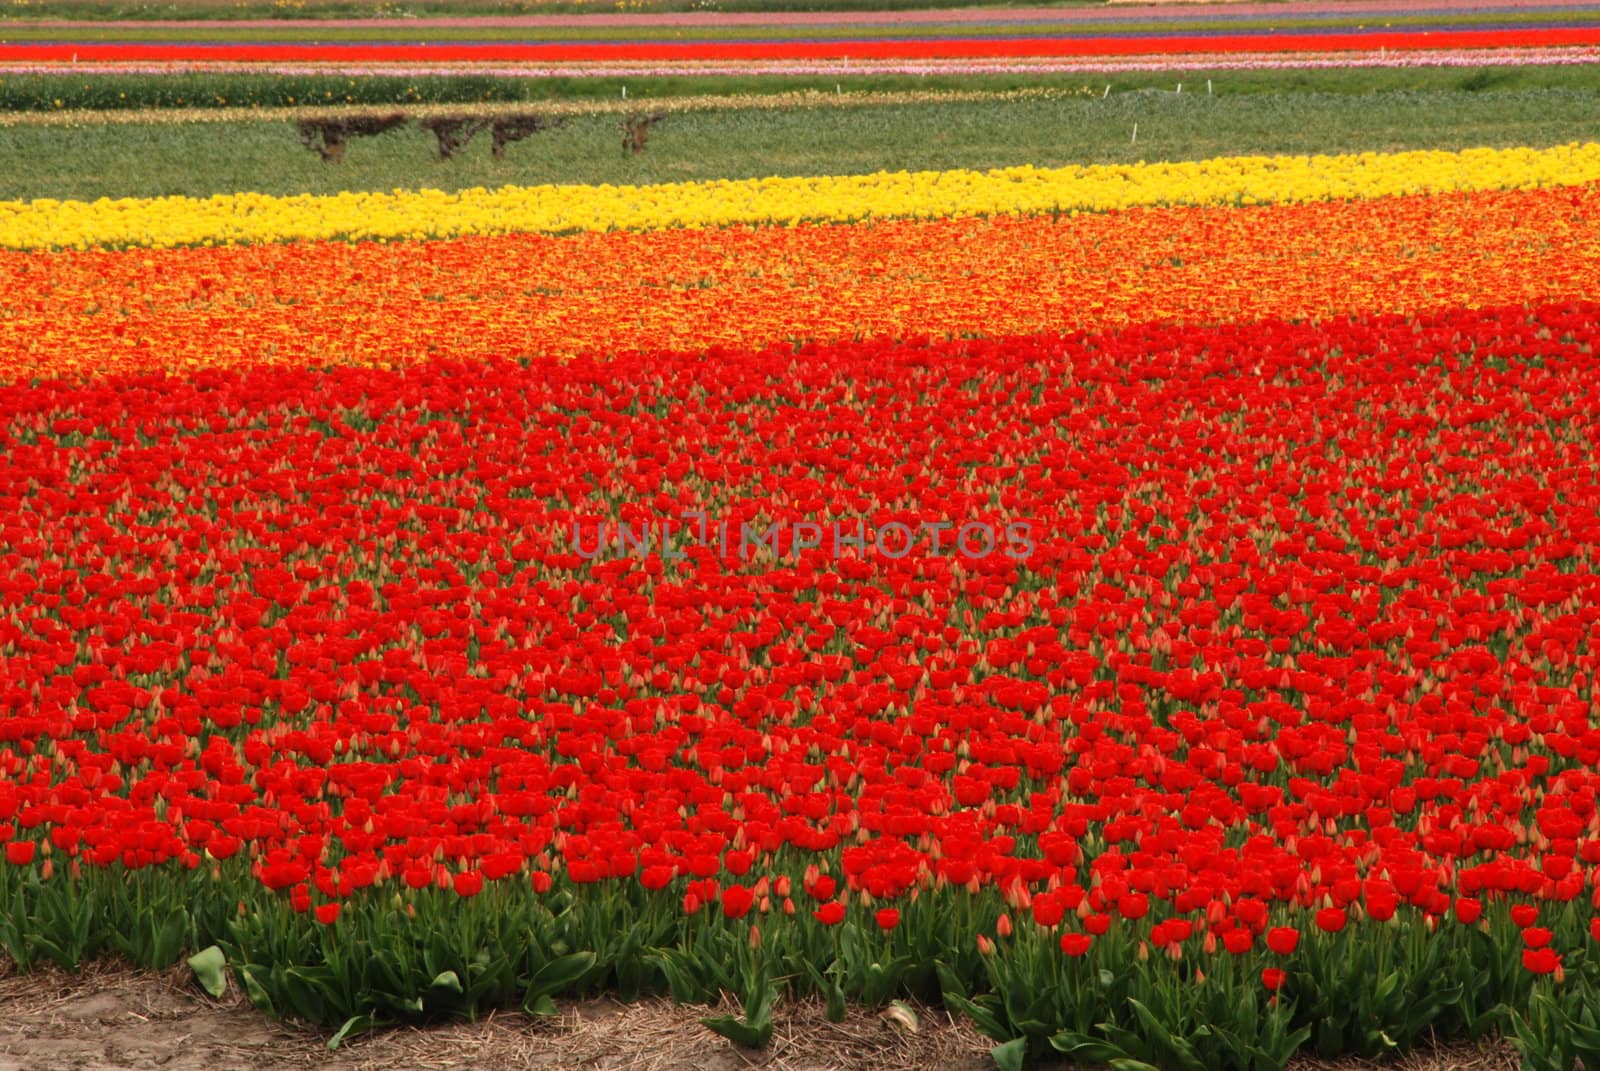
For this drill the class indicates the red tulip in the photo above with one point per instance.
(830, 914)
(1284, 939)
(736, 901)
(1076, 944)
(1541, 960)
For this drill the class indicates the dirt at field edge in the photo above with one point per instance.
(118, 1019)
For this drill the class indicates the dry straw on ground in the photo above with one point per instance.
(115, 1018)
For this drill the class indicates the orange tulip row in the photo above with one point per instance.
(83, 314)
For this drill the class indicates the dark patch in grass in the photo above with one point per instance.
(329, 136)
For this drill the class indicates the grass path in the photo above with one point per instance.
(144, 159)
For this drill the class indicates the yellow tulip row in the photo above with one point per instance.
(1245, 180)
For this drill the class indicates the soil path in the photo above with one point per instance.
(115, 1019)
(122, 1020)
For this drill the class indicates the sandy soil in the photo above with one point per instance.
(113, 1018)
(117, 1019)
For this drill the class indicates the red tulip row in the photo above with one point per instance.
(925, 48)
(1304, 636)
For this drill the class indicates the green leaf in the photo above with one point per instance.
(254, 990)
(1008, 1057)
(758, 1005)
(682, 977)
(356, 1024)
(836, 1008)
(560, 974)
(1083, 1049)
(754, 1030)
(950, 986)
(1585, 1038)
(446, 980)
(210, 970)
(985, 1017)
(1178, 1051)
(167, 940)
(309, 993)
(542, 1005)
(1292, 1042)
(740, 1032)
(831, 991)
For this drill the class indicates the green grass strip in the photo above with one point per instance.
(86, 161)
(68, 92)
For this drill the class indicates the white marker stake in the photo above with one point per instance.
(1208, 87)
(1107, 93)
(1180, 89)
(624, 92)
(1135, 139)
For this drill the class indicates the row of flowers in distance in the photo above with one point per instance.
(250, 217)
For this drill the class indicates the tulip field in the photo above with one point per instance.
(1150, 612)
(775, 41)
